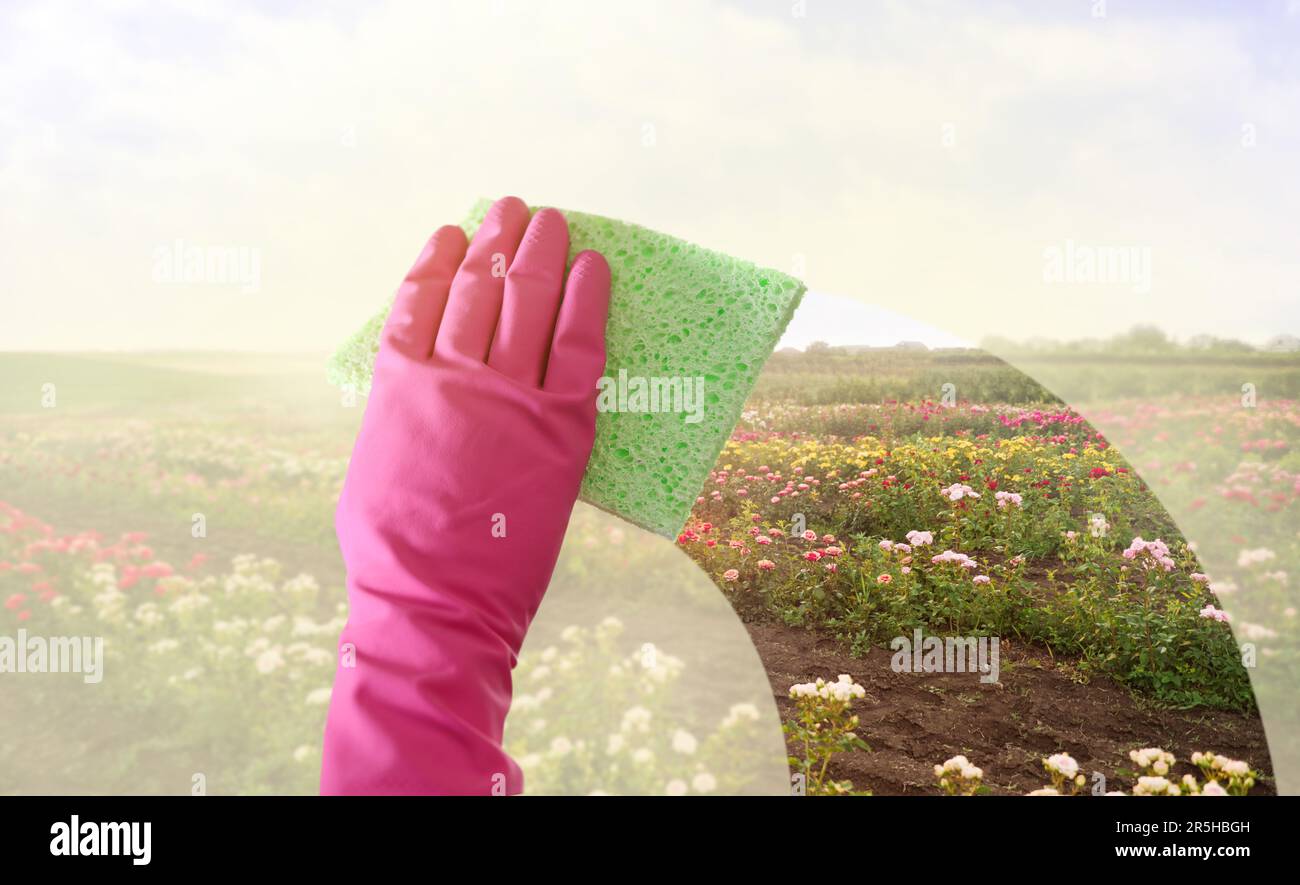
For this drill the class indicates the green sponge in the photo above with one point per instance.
(678, 313)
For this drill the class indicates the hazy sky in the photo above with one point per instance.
(957, 164)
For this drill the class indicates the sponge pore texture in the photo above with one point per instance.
(678, 312)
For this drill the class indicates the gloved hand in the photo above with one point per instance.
(476, 434)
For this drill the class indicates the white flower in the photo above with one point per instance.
(704, 782)
(960, 766)
(1213, 788)
(269, 661)
(303, 753)
(636, 719)
(149, 615)
(301, 585)
(1249, 557)
(675, 788)
(843, 689)
(739, 712)
(684, 742)
(1150, 757)
(1233, 767)
(1155, 786)
(319, 697)
(561, 746)
(188, 602)
(1256, 631)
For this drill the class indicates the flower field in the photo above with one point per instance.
(971, 520)
(866, 522)
(189, 526)
(183, 514)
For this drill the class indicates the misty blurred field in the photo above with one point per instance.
(182, 506)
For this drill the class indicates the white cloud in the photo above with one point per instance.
(335, 143)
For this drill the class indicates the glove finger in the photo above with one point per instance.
(578, 346)
(532, 294)
(422, 297)
(474, 303)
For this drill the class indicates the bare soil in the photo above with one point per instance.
(1039, 706)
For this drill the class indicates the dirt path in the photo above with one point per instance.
(1038, 707)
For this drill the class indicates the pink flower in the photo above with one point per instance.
(957, 491)
(832, 551)
(810, 535)
(980, 579)
(884, 579)
(766, 565)
(960, 559)
(15, 601)
(1157, 550)
(812, 556)
(1215, 614)
(1006, 499)
(730, 575)
(920, 539)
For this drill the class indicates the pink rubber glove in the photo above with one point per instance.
(477, 431)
